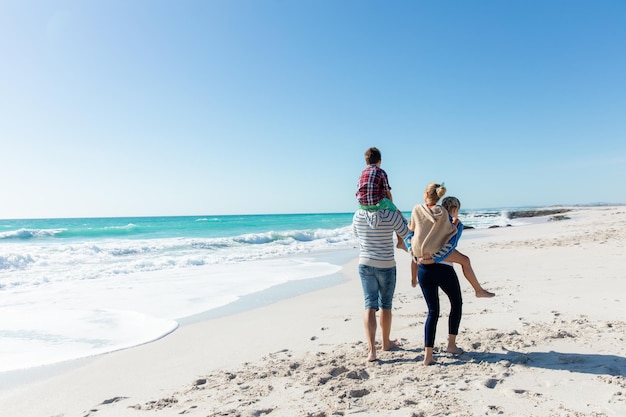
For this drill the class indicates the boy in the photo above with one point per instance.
(373, 189)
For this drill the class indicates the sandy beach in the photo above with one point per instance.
(551, 343)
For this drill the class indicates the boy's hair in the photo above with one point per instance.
(434, 192)
(450, 203)
(372, 156)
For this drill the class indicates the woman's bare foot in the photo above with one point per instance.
(392, 344)
(482, 293)
(371, 357)
(428, 356)
(454, 349)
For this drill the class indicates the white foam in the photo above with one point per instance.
(65, 320)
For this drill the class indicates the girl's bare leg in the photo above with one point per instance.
(468, 272)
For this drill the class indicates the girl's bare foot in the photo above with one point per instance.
(482, 293)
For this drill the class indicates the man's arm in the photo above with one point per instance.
(400, 225)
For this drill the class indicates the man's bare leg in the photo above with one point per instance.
(385, 326)
(369, 322)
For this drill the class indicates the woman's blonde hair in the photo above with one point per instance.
(434, 192)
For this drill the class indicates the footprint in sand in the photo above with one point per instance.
(491, 383)
(105, 402)
(112, 400)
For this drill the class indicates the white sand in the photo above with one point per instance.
(550, 344)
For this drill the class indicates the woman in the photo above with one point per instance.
(432, 230)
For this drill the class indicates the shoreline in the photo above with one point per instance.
(553, 316)
(14, 378)
(246, 302)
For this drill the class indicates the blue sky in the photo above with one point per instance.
(126, 108)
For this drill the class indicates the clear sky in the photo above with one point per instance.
(150, 107)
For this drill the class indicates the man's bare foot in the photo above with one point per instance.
(371, 357)
(413, 282)
(391, 345)
(482, 293)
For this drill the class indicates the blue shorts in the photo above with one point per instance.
(378, 284)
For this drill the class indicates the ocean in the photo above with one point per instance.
(74, 288)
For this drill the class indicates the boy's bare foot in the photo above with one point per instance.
(482, 293)
(392, 344)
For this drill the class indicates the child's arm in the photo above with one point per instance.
(388, 195)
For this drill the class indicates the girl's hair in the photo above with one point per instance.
(450, 203)
(434, 192)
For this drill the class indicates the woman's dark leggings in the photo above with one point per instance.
(431, 278)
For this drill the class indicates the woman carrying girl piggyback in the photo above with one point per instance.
(433, 248)
(436, 233)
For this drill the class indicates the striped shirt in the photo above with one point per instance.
(374, 231)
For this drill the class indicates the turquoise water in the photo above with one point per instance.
(169, 227)
(199, 226)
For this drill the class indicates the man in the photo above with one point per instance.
(377, 269)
